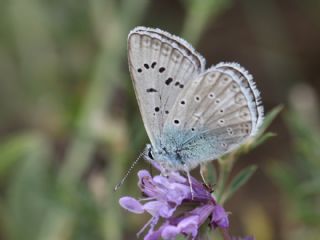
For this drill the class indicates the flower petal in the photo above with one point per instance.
(170, 232)
(189, 225)
(176, 177)
(159, 208)
(131, 204)
(153, 235)
(161, 181)
(219, 217)
(146, 184)
(143, 173)
(177, 193)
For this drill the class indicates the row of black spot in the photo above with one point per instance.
(161, 70)
(167, 82)
(146, 66)
(157, 109)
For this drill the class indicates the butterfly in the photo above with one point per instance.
(191, 114)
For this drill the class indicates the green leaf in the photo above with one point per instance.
(261, 139)
(269, 118)
(284, 176)
(239, 180)
(16, 147)
(211, 173)
(180, 237)
(310, 187)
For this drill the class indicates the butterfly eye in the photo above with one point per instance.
(150, 154)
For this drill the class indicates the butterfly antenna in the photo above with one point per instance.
(128, 172)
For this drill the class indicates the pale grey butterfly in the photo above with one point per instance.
(191, 115)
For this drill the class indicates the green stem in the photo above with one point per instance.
(221, 180)
(225, 167)
(198, 15)
(225, 234)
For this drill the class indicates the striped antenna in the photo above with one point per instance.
(129, 171)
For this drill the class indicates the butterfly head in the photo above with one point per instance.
(168, 159)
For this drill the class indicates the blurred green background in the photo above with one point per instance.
(70, 126)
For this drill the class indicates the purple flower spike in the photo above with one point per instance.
(165, 199)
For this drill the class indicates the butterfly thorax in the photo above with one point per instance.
(181, 150)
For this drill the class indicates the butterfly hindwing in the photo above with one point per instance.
(215, 113)
(161, 65)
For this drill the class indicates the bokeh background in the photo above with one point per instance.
(70, 126)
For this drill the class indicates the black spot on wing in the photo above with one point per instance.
(161, 70)
(178, 84)
(153, 64)
(168, 81)
(150, 90)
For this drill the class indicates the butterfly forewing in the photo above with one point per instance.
(161, 65)
(215, 113)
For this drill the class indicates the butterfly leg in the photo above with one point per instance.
(190, 184)
(203, 173)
